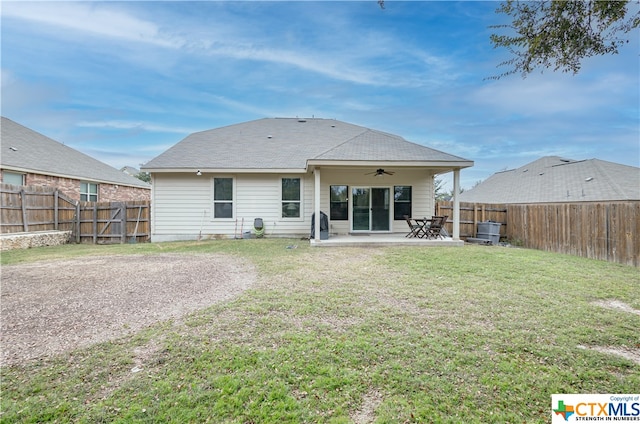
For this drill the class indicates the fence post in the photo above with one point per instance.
(25, 223)
(95, 223)
(55, 210)
(474, 231)
(123, 229)
(78, 210)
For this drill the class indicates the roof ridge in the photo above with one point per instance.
(505, 170)
(569, 162)
(341, 144)
(612, 181)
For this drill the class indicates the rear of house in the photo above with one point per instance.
(287, 170)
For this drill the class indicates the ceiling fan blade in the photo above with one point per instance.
(380, 171)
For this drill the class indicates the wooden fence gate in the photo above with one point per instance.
(113, 222)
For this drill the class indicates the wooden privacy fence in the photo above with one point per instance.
(608, 231)
(604, 230)
(31, 209)
(471, 214)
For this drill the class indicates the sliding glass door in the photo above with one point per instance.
(370, 208)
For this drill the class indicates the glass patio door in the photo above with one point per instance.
(370, 208)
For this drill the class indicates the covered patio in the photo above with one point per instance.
(380, 240)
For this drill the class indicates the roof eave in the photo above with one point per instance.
(442, 166)
(225, 170)
(399, 164)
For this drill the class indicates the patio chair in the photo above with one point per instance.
(417, 229)
(436, 229)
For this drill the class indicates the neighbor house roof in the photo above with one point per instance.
(25, 150)
(556, 179)
(294, 144)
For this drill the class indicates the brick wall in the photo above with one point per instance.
(68, 186)
(116, 193)
(71, 188)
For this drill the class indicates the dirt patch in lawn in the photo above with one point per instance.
(367, 412)
(630, 353)
(616, 304)
(56, 306)
(627, 353)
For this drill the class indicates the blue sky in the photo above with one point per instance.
(124, 81)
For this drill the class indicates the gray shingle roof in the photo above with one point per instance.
(555, 179)
(27, 150)
(288, 143)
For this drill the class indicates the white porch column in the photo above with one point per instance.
(456, 204)
(316, 207)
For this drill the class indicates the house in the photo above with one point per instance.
(215, 183)
(30, 158)
(552, 179)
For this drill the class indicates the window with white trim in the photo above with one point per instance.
(339, 202)
(88, 192)
(291, 188)
(12, 178)
(223, 197)
(401, 202)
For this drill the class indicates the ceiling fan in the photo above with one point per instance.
(379, 172)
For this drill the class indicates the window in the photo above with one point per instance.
(12, 178)
(339, 202)
(223, 197)
(401, 202)
(291, 197)
(88, 192)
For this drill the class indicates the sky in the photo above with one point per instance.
(124, 81)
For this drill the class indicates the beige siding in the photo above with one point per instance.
(178, 205)
(259, 196)
(183, 204)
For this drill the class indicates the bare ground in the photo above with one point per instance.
(52, 307)
(631, 353)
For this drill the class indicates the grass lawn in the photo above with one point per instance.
(340, 335)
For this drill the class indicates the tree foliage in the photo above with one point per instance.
(143, 176)
(559, 34)
(440, 193)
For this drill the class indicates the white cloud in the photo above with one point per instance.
(553, 93)
(90, 18)
(369, 58)
(134, 125)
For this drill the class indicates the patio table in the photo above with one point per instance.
(423, 225)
